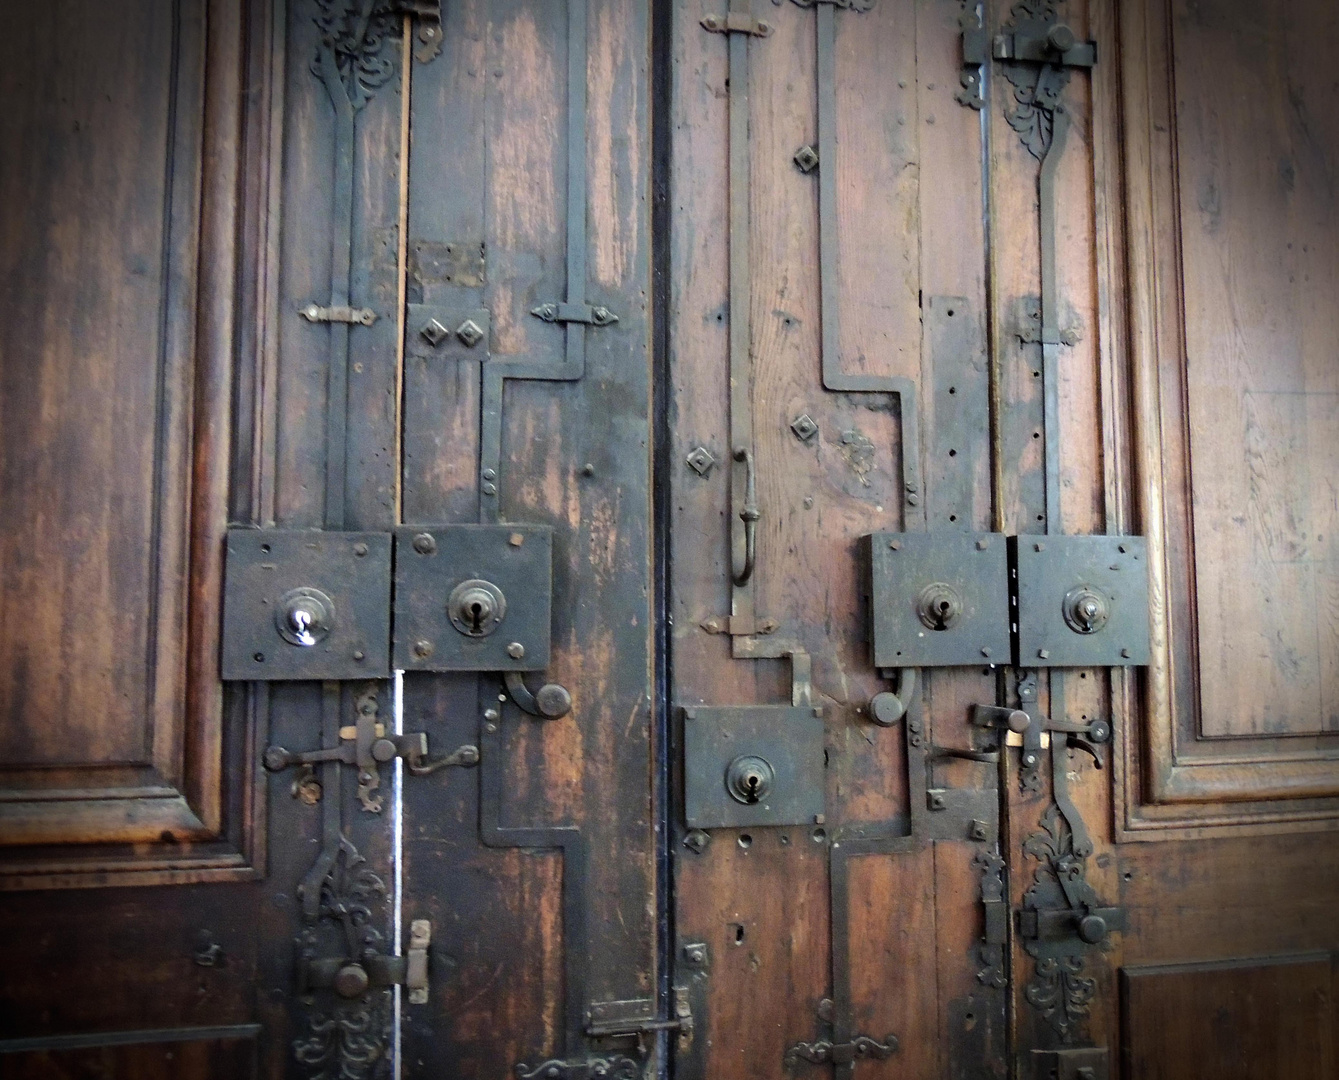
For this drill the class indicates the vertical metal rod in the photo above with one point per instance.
(1050, 316)
(742, 604)
(829, 310)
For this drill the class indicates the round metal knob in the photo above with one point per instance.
(886, 709)
(1099, 731)
(1092, 928)
(276, 758)
(351, 981)
(383, 750)
(304, 617)
(553, 700)
(1061, 38)
(476, 607)
(939, 605)
(1086, 610)
(1019, 721)
(749, 778)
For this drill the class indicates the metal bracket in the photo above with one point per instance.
(338, 314)
(736, 23)
(608, 1068)
(427, 16)
(636, 1017)
(823, 1051)
(306, 605)
(562, 312)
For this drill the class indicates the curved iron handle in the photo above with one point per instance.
(888, 707)
(744, 542)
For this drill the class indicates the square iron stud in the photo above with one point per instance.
(938, 599)
(302, 604)
(701, 461)
(804, 427)
(473, 597)
(434, 332)
(1082, 600)
(753, 765)
(806, 158)
(470, 333)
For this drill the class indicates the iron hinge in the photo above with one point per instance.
(563, 312)
(735, 23)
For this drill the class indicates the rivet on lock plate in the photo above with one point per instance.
(306, 605)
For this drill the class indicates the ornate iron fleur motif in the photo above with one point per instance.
(1037, 87)
(1061, 993)
(347, 895)
(349, 58)
(991, 868)
(348, 1043)
(1059, 989)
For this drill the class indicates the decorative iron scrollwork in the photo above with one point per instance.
(822, 1051)
(1061, 992)
(347, 1043)
(611, 1068)
(353, 34)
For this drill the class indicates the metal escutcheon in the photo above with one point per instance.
(304, 617)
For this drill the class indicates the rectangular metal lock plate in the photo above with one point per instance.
(301, 604)
(1082, 600)
(753, 765)
(473, 597)
(937, 599)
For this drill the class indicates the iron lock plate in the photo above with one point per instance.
(1072, 1063)
(300, 604)
(726, 746)
(1082, 600)
(937, 599)
(473, 597)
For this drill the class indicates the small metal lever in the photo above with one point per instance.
(466, 756)
(989, 757)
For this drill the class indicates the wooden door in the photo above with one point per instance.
(751, 354)
(296, 290)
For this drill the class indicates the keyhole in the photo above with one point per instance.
(301, 620)
(477, 617)
(751, 784)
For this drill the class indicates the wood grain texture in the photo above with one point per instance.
(1188, 769)
(122, 226)
(1242, 1020)
(184, 1059)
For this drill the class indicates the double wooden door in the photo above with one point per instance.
(713, 539)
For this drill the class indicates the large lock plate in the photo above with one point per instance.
(1082, 600)
(473, 597)
(301, 604)
(752, 765)
(937, 599)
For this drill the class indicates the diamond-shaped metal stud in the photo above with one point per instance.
(806, 158)
(433, 332)
(701, 461)
(804, 427)
(470, 333)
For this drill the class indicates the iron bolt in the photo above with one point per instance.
(422, 648)
(425, 543)
(695, 954)
(360, 549)
(516, 650)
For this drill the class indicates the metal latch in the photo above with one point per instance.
(1072, 1063)
(352, 977)
(636, 1018)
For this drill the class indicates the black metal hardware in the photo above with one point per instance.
(753, 765)
(1072, 1063)
(351, 976)
(563, 312)
(341, 314)
(473, 597)
(636, 1018)
(737, 22)
(937, 599)
(437, 332)
(1082, 600)
(822, 1051)
(599, 1068)
(306, 605)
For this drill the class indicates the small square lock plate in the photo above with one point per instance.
(1082, 600)
(938, 599)
(300, 604)
(752, 765)
(473, 597)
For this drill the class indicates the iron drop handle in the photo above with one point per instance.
(744, 539)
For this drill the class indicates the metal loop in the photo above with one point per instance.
(744, 549)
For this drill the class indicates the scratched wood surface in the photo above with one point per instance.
(489, 169)
(909, 228)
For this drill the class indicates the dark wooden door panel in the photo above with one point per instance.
(1239, 1020)
(186, 1054)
